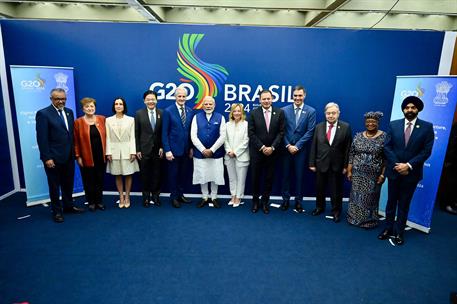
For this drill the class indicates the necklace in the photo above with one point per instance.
(370, 135)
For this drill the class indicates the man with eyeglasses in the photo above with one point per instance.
(54, 131)
(329, 157)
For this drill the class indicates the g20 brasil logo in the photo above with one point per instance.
(208, 79)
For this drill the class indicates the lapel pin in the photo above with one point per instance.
(417, 126)
(274, 113)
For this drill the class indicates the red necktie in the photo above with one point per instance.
(329, 132)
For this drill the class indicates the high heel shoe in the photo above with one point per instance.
(121, 202)
(127, 203)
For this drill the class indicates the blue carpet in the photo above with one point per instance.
(190, 255)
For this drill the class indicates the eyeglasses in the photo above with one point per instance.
(58, 99)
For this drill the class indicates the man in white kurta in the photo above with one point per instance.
(208, 135)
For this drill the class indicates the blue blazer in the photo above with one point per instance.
(175, 135)
(419, 148)
(302, 133)
(54, 140)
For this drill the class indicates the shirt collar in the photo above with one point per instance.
(413, 122)
(334, 124)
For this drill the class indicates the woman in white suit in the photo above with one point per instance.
(237, 153)
(121, 149)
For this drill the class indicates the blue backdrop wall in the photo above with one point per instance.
(355, 68)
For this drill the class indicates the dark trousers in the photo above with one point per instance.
(60, 180)
(400, 192)
(177, 175)
(150, 169)
(334, 180)
(93, 183)
(262, 165)
(293, 168)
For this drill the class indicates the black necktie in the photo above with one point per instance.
(183, 116)
(61, 117)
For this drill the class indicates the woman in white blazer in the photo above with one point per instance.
(121, 149)
(237, 152)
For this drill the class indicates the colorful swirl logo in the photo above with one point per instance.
(208, 77)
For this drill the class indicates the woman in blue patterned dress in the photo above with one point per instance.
(366, 171)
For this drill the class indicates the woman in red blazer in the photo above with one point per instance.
(90, 142)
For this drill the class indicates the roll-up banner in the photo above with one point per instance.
(31, 89)
(439, 94)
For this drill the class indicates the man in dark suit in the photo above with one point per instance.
(300, 121)
(176, 144)
(148, 138)
(329, 159)
(408, 144)
(266, 130)
(54, 131)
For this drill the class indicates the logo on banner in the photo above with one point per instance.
(418, 92)
(442, 89)
(36, 84)
(61, 81)
(207, 77)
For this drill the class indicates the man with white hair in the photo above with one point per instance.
(329, 157)
(176, 145)
(208, 136)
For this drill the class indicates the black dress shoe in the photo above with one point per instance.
(74, 209)
(336, 217)
(385, 234)
(215, 203)
(317, 211)
(146, 204)
(156, 200)
(265, 209)
(451, 210)
(202, 203)
(58, 218)
(92, 207)
(184, 200)
(100, 207)
(299, 208)
(255, 207)
(399, 240)
(175, 203)
(285, 205)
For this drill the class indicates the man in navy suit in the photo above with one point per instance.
(266, 130)
(54, 131)
(300, 121)
(408, 144)
(176, 145)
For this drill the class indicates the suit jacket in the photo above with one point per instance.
(417, 151)
(237, 140)
(54, 140)
(257, 130)
(120, 137)
(175, 135)
(324, 156)
(301, 133)
(148, 141)
(83, 147)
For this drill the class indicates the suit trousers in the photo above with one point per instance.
(266, 165)
(334, 180)
(177, 175)
(293, 166)
(60, 180)
(400, 192)
(150, 169)
(237, 176)
(93, 183)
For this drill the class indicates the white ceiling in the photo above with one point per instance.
(379, 14)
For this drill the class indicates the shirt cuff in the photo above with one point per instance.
(410, 167)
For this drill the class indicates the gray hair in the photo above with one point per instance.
(60, 90)
(180, 88)
(332, 104)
